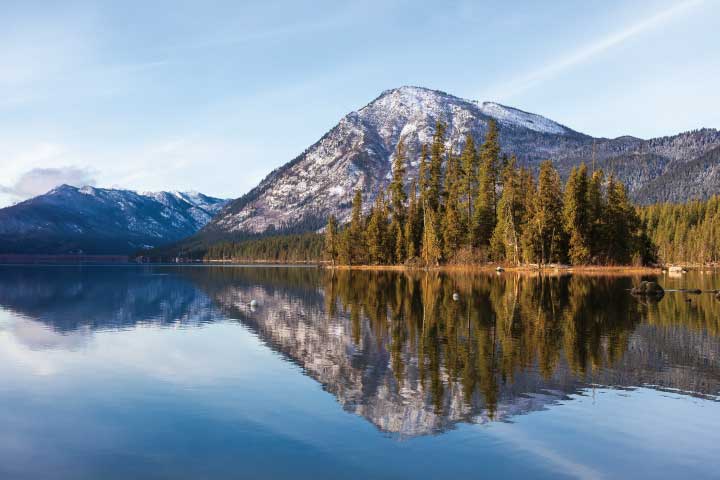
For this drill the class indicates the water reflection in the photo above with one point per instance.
(413, 353)
(405, 352)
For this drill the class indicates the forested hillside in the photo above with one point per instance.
(686, 232)
(359, 151)
(480, 206)
(307, 247)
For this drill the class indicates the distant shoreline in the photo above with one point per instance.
(59, 259)
(493, 268)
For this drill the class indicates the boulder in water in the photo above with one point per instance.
(648, 289)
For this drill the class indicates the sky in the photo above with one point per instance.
(211, 96)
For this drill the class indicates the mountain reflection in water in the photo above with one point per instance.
(400, 349)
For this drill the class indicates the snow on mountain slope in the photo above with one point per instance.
(358, 153)
(97, 220)
(512, 116)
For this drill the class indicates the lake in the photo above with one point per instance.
(164, 372)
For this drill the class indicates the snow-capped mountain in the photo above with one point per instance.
(358, 151)
(102, 221)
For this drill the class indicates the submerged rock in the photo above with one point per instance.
(649, 289)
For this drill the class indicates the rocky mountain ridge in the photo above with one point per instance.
(93, 220)
(358, 153)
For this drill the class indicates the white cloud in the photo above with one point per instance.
(40, 180)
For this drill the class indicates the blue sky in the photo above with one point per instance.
(211, 96)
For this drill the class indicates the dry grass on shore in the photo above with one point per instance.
(492, 268)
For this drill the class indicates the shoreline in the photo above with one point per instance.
(492, 268)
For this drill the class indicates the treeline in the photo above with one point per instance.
(480, 206)
(688, 232)
(305, 247)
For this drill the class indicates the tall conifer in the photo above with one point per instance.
(506, 238)
(355, 236)
(469, 184)
(437, 156)
(548, 222)
(485, 214)
(576, 215)
(452, 228)
(331, 240)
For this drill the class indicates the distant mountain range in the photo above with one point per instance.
(358, 151)
(92, 220)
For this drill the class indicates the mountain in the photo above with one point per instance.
(102, 221)
(357, 153)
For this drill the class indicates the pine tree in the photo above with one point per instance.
(355, 241)
(469, 184)
(483, 221)
(376, 234)
(413, 225)
(576, 213)
(398, 198)
(344, 247)
(452, 228)
(506, 238)
(423, 180)
(621, 222)
(548, 221)
(485, 214)
(431, 251)
(437, 154)
(528, 193)
(596, 215)
(331, 240)
(490, 158)
(397, 185)
(397, 233)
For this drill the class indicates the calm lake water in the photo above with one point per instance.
(169, 373)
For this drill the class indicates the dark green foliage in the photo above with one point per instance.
(620, 223)
(485, 213)
(469, 179)
(505, 242)
(576, 215)
(376, 236)
(331, 240)
(305, 247)
(397, 186)
(353, 249)
(413, 226)
(596, 207)
(684, 233)
(431, 249)
(452, 224)
(589, 221)
(437, 156)
(547, 225)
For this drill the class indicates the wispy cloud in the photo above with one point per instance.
(40, 180)
(587, 52)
